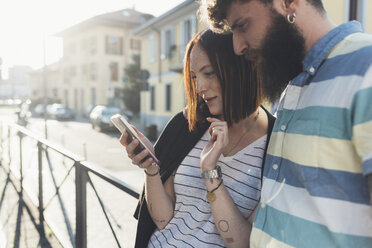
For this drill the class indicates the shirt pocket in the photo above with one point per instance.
(300, 147)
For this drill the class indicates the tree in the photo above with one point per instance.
(132, 89)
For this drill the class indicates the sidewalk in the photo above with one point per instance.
(19, 226)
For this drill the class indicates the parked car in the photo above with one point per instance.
(100, 117)
(38, 110)
(63, 113)
(52, 109)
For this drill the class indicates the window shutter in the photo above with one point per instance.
(107, 44)
(121, 44)
(162, 42)
(193, 26)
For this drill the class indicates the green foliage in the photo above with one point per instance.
(132, 89)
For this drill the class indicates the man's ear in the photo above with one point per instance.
(288, 6)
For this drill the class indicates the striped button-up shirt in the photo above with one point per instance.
(315, 190)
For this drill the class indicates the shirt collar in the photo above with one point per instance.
(322, 48)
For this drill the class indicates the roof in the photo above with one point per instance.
(129, 18)
(188, 6)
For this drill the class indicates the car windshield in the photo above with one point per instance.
(110, 111)
(61, 110)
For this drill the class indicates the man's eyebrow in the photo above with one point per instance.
(235, 23)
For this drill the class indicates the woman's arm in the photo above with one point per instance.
(160, 198)
(231, 224)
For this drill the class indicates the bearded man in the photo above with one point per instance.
(317, 186)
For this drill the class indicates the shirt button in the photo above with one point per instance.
(263, 205)
(283, 127)
(312, 69)
(275, 166)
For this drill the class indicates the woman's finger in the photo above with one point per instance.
(124, 139)
(140, 156)
(147, 163)
(131, 147)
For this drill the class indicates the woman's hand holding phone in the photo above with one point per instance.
(137, 156)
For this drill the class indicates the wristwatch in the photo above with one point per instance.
(215, 173)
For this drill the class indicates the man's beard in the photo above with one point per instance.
(281, 56)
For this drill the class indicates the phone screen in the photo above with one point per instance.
(123, 125)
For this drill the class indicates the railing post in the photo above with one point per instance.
(41, 198)
(1, 137)
(20, 159)
(81, 177)
(9, 153)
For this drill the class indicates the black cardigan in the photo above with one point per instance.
(174, 143)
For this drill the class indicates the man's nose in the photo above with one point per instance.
(239, 44)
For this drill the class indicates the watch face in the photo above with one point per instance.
(215, 173)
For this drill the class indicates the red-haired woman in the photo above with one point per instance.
(207, 185)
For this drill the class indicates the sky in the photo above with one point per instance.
(26, 24)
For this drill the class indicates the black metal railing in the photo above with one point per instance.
(83, 170)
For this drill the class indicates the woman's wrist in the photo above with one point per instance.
(152, 170)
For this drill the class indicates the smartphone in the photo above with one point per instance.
(123, 125)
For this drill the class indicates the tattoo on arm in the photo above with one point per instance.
(229, 240)
(223, 225)
(156, 220)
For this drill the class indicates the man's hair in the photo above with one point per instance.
(241, 91)
(215, 11)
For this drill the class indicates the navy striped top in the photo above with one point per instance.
(193, 224)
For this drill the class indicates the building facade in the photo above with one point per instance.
(18, 84)
(164, 42)
(95, 53)
(46, 82)
(344, 10)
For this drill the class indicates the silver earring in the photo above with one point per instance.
(291, 19)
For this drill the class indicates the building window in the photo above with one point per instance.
(93, 71)
(76, 99)
(93, 45)
(66, 98)
(168, 97)
(188, 30)
(135, 44)
(114, 71)
(167, 43)
(152, 97)
(93, 100)
(152, 48)
(55, 93)
(114, 45)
